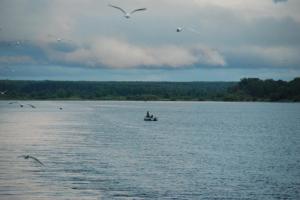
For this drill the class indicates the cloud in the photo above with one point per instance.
(264, 57)
(96, 36)
(277, 56)
(117, 53)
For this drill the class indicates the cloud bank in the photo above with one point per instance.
(117, 53)
(89, 34)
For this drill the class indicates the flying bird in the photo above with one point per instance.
(15, 102)
(3, 92)
(32, 106)
(31, 157)
(18, 43)
(127, 14)
(179, 29)
(58, 39)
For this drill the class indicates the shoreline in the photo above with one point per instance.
(112, 100)
(247, 90)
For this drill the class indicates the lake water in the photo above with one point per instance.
(104, 150)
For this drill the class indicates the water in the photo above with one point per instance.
(104, 150)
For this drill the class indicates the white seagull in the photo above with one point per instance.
(3, 92)
(15, 102)
(127, 14)
(18, 43)
(31, 157)
(58, 39)
(32, 106)
(179, 29)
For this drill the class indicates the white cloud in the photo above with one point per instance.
(117, 53)
(149, 38)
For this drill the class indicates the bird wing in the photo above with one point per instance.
(193, 30)
(32, 106)
(123, 11)
(136, 10)
(37, 160)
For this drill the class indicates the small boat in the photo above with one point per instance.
(149, 119)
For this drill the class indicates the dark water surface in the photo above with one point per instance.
(104, 150)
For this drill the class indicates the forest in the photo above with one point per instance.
(247, 89)
(254, 89)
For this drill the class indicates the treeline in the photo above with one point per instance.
(82, 90)
(254, 89)
(250, 89)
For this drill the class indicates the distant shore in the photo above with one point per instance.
(247, 90)
(114, 100)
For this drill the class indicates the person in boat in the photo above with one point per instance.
(148, 114)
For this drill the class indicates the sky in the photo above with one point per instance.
(89, 40)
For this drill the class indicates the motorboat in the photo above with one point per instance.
(153, 119)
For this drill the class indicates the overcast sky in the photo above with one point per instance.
(88, 40)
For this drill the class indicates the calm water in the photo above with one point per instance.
(104, 150)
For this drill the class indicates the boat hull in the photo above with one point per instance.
(149, 119)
